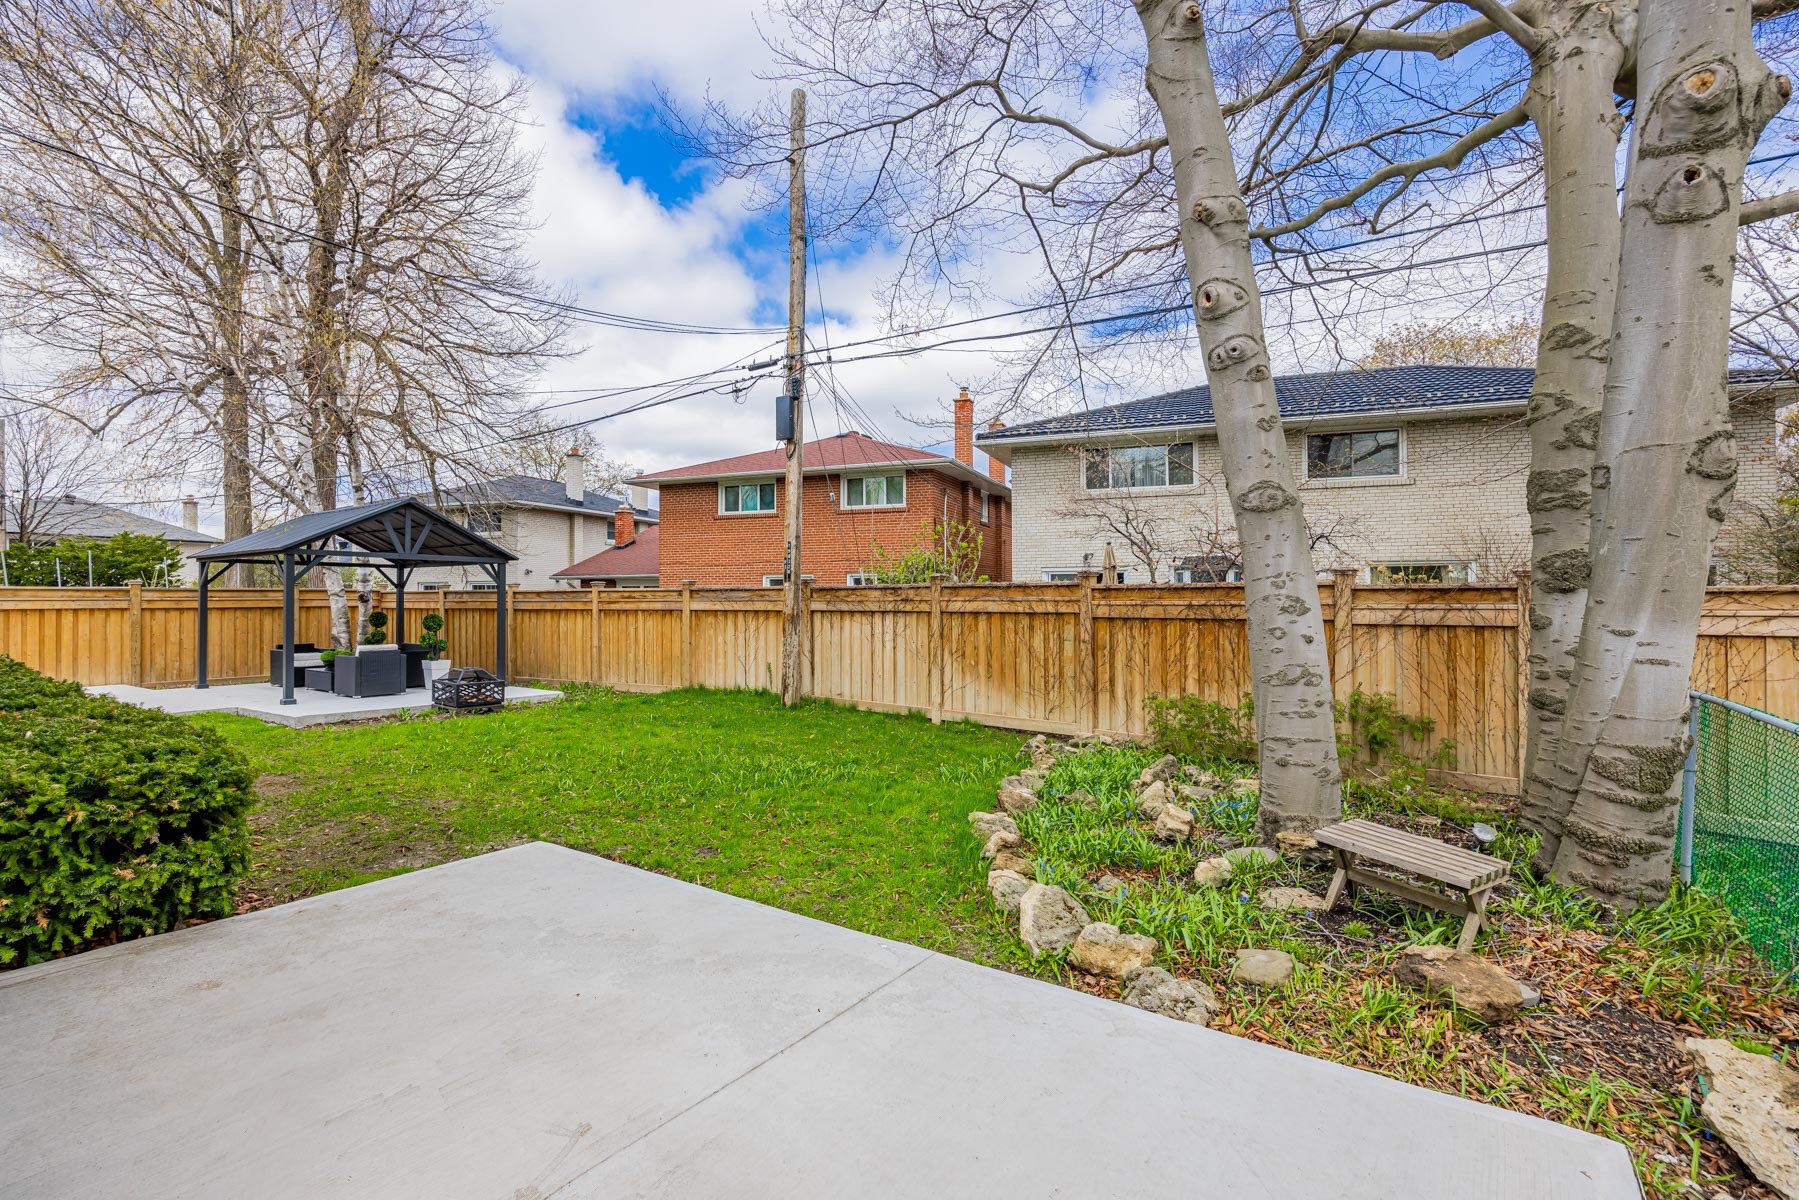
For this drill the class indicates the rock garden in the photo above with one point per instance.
(1136, 875)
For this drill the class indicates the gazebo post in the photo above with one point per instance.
(200, 664)
(287, 629)
(499, 614)
(399, 605)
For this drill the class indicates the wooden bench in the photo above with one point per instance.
(1468, 876)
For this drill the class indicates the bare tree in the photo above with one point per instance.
(43, 458)
(1508, 343)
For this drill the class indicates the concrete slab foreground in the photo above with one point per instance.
(263, 702)
(540, 1022)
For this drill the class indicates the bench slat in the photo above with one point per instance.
(1450, 865)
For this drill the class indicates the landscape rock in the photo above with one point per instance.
(1032, 779)
(1162, 770)
(1174, 825)
(1263, 968)
(1470, 981)
(1007, 888)
(1213, 872)
(1011, 860)
(1244, 856)
(1155, 990)
(986, 824)
(1015, 801)
(1202, 777)
(1036, 743)
(1001, 840)
(1290, 843)
(1532, 997)
(1292, 899)
(1104, 949)
(1083, 798)
(1154, 798)
(1249, 785)
(1191, 794)
(1110, 883)
(1752, 1102)
(1049, 919)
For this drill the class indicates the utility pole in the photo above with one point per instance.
(793, 592)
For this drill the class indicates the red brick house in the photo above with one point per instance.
(724, 521)
(629, 562)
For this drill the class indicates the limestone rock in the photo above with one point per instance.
(1292, 899)
(986, 824)
(1249, 785)
(1753, 1104)
(1213, 872)
(1154, 798)
(1083, 798)
(1246, 856)
(1001, 840)
(1532, 997)
(1109, 883)
(1015, 801)
(1202, 777)
(1263, 968)
(1049, 919)
(1011, 860)
(1155, 990)
(1031, 779)
(1174, 825)
(1470, 981)
(1192, 795)
(1036, 743)
(1007, 888)
(1292, 842)
(1162, 770)
(1103, 949)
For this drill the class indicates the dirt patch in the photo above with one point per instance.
(273, 786)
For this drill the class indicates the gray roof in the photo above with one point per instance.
(544, 493)
(1311, 397)
(376, 528)
(73, 517)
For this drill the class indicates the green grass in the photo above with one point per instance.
(855, 818)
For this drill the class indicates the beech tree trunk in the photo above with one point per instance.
(1301, 785)
(1665, 465)
(1573, 77)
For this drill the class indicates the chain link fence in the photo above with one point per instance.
(1739, 820)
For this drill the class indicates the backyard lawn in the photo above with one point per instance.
(851, 817)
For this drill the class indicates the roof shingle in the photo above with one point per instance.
(639, 556)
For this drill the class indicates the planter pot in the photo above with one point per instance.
(436, 669)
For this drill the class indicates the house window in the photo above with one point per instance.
(482, 520)
(1422, 572)
(874, 491)
(861, 579)
(1140, 466)
(776, 581)
(1073, 575)
(483, 587)
(986, 507)
(431, 587)
(746, 497)
(1207, 568)
(1364, 454)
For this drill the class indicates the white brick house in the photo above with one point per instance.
(548, 523)
(1406, 473)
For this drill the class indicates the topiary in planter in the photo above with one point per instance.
(377, 629)
(433, 644)
(115, 821)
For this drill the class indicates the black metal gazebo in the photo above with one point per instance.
(403, 534)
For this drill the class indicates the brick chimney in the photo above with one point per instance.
(965, 429)
(995, 468)
(574, 476)
(190, 513)
(624, 525)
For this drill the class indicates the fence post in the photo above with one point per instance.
(807, 600)
(1523, 650)
(1343, 632)
(136, 631)
(1086, 648)
(1689, 790)
(934, 684)
(687, 633)
(593, 608)
(511, 642)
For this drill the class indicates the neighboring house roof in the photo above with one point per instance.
(1441, 390)
(73, 517)
(636, 558)
(528, 491)
(842, 452)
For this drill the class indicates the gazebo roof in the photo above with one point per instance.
(402, 531)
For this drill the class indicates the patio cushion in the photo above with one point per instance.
(309, 660)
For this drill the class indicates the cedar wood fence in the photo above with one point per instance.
(1060, 658)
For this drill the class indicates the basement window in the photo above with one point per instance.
(746, 497)
(1424, 572)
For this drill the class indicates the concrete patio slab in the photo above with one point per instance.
(540, 1022)
(263, 702)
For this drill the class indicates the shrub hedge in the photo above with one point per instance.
(115, 821)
